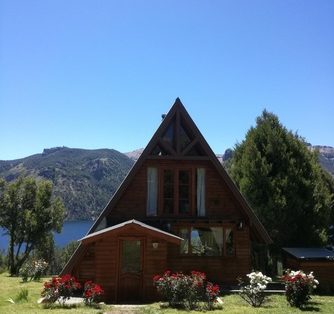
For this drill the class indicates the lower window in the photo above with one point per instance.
(207, 241)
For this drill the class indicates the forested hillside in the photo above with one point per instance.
(84, 179)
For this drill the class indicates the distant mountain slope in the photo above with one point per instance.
(84, 179)
(135, 154)
(326, 157)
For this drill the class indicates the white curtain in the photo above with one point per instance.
(152, 191)
(201, 191)
(218, 235)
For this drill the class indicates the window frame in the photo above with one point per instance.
(225, 227)
(176, 185)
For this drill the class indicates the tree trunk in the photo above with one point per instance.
(11, 261)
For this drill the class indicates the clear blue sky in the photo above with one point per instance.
(99, 74)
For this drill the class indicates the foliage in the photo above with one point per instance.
(22, 296)
(298, 287)
(28, 215)
(60, 256)
(84, 179)
(3, 261)
(60, 289)
(33, 269)
(186, 291)
(284, 183)
(92, 292)
(253, 292)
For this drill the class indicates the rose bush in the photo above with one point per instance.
(92, 293)
(60, 289)
(186, 291)
(298, 287)
(253, 292)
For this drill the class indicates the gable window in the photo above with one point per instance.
(207, 241)
(182, 191)
(152, 191)
(177, 191)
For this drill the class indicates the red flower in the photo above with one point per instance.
(156, 277)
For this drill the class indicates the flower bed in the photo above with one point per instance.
(63, 288)
(298, 287)
(187, 291)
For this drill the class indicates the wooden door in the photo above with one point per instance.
(130, 274)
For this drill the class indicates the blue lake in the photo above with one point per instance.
(72, 231)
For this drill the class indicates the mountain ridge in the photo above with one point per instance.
(86, 179)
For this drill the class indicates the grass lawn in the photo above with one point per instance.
(10, 287)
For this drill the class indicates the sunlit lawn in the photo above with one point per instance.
(10, 287)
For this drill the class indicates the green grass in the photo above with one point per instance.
(276, 304)
(12, 287)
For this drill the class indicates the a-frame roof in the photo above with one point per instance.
(163, 146)
(179, 114)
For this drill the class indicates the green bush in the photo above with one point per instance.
(33, 269)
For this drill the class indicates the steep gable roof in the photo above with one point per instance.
(197, 147)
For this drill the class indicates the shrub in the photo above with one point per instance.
(253, 293)
(60, 288)
(33, 269)
(92, 292)
(186, 291)
(298, 287)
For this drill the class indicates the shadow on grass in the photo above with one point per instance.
(311, 307)
(60, 306)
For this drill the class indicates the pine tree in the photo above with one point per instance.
(284, 183)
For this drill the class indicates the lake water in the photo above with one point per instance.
(72, 231)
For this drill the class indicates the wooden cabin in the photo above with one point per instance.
(177, 209)
(318, 260)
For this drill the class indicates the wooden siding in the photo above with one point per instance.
(220, 203)
(221, 269)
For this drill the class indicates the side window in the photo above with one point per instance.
(152, 191)
(184, 191)
(168, 191)
(200, 192)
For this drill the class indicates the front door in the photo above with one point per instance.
(130, 276)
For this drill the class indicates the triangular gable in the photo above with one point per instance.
(180, 117)
(165, 143)
(132, 225)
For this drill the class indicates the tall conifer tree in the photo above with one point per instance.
(284, 183)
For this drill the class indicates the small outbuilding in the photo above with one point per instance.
(318, 260)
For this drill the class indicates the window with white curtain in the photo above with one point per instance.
(206, 241)
(200, 192)
(152, 191)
